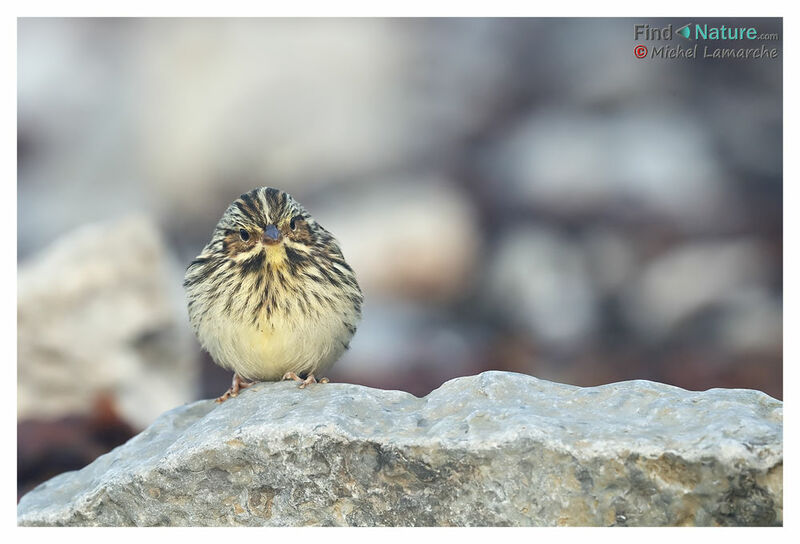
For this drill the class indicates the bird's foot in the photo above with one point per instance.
(303, 383)
(236, 385)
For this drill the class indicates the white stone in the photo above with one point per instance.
(408, 237)
(101, 312)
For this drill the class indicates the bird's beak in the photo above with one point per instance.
(271, 235)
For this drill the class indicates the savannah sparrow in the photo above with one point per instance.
(271, 296)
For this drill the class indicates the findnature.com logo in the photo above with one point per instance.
(703, 32)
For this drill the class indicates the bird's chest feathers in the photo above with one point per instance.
(281, 343)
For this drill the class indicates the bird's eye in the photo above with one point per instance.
(294, 221)
(244, 235)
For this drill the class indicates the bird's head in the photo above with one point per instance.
(267, 225)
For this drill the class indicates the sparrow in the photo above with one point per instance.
(271, 296)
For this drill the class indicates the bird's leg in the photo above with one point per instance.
(291, 376)
(303, 383)
(237, 384)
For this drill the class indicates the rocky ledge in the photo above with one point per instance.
(494, 449)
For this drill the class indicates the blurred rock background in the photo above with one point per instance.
(514, 194)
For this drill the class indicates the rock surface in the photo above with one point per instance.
(494, 449)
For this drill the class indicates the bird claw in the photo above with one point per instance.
(303, 383)
(233, 391)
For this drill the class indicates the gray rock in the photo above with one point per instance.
(692, 277)
(494, 449)
(578, 163)
(752, 321)
(539, 280)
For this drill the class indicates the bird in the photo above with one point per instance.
(271, 296)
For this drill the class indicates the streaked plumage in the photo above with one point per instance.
(271, 292)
